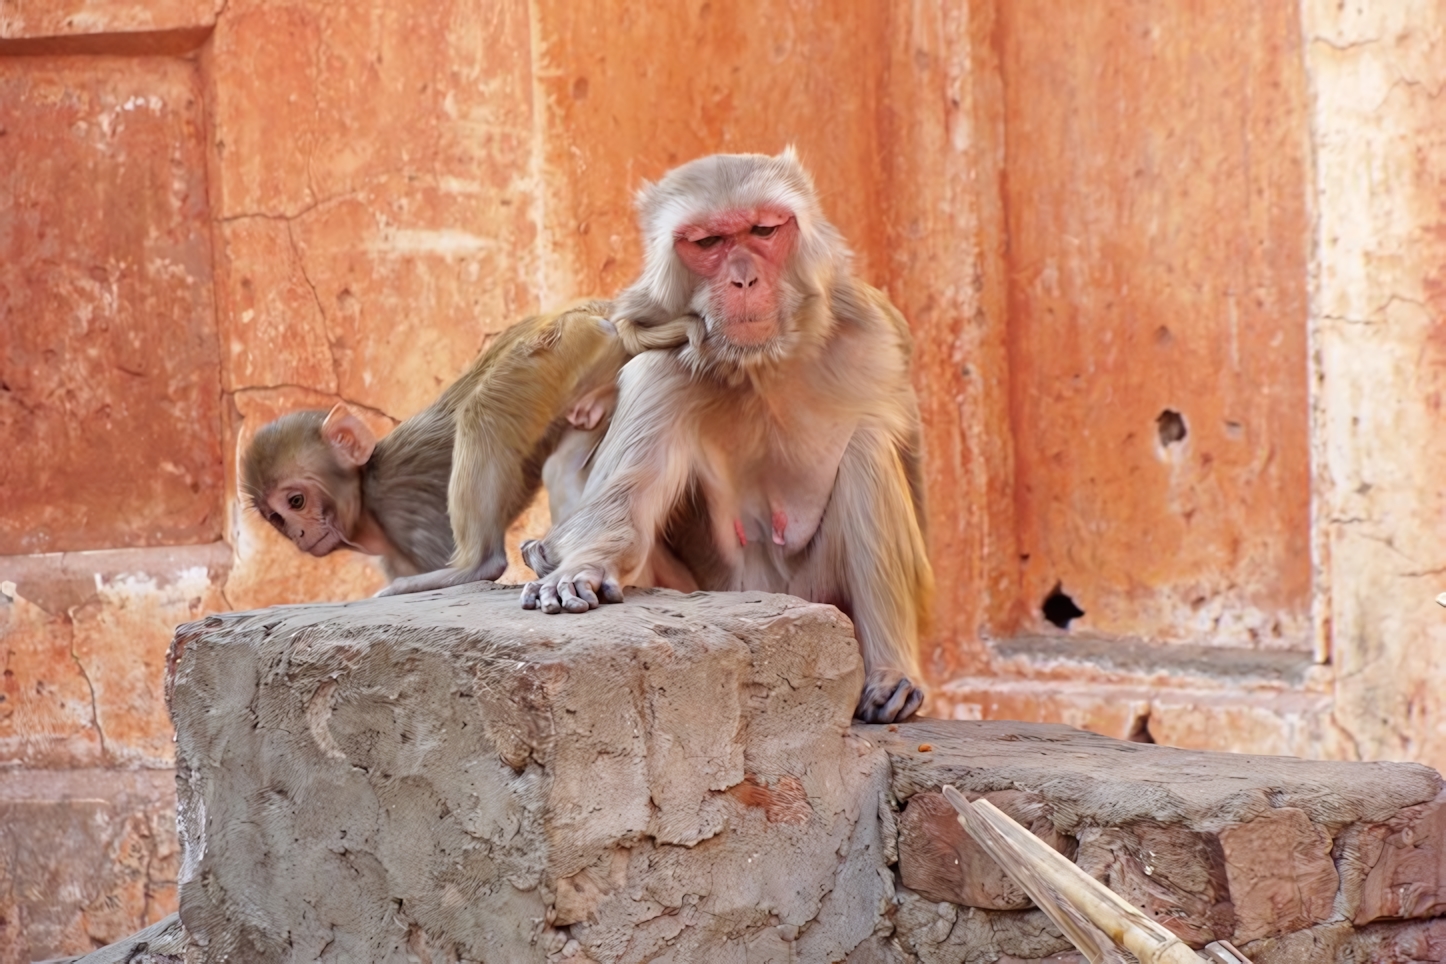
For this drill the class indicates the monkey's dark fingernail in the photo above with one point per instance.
(611, 592)
(916, 699)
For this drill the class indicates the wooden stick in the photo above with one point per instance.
(1094, 918)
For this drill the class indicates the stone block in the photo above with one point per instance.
(1084, 776)
(1212, 845)
(939, 860)
(1393, 942)
(1396, 868)
(944, 933)
(449, 774)
(86, 857)
(1280, 871)
(1175, 875)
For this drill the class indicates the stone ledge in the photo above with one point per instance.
(449, 777)
(1233, 719)
(1150, 662)
(1214, 846)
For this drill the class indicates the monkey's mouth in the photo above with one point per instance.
(751, 332)
(324, 544)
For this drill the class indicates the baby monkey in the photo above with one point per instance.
(533, 407)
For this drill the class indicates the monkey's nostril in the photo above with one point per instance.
(753, 282)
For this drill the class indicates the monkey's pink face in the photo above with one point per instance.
(302, 510)
(741, 255)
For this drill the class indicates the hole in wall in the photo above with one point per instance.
(1171, 425)
(1140, 730)
(1059, 609)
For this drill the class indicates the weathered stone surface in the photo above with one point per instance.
(1173, 713)
(1397, 942)
(108, 375)
(1280, 871)
(943, 933)
(1396, 868)
(450, 772)
(86, 857)
(393, 225)
(164, 942)
(1176, 876)
(1108, 782)
(940, 861)
(1211, 845)
(1378, 127)
(83, 641)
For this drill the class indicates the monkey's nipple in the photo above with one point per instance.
(780, 523)
(738, 530)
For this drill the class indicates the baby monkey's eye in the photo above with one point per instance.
(764, 230)
(296, 501)
(708, 242)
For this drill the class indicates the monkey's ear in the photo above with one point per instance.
(349, 438)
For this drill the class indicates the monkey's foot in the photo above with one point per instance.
(888, 697)
(575, 593)
(443, 578)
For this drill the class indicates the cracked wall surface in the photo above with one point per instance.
(223, 211)
(1379, 356)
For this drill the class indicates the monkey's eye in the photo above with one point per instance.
(708, 242)
(764, 230)
(296, 501)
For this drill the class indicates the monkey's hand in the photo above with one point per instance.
(574, 592)
(534, 553)
(888, 697)
(443, 578)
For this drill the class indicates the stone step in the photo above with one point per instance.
(1212, 845)
(447, 777)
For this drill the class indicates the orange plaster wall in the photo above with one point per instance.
(110, 391)
(1159, 234)
(386, 186)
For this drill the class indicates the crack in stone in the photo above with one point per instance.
(94, 708)
(293, 386)
(320, 308)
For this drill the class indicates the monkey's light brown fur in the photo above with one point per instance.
(778, 448)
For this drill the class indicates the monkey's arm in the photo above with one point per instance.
(871, 527)
(641, 472)
(509, 410)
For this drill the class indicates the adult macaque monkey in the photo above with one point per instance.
(534, 404)
(779, 448)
